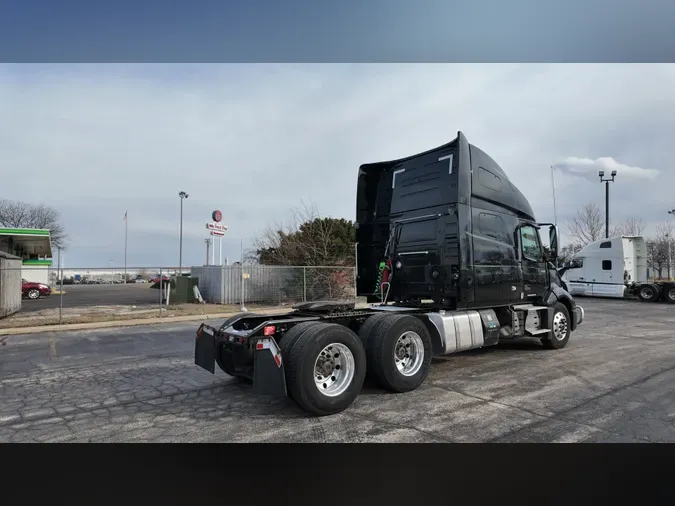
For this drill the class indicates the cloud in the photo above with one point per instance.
(587, 168)
(255, 140)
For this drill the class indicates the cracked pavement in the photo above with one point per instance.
(612, 383)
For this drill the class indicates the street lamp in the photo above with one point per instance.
(606, 181)
(182, 196)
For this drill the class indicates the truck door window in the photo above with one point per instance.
(529, 239)
(606, 265)
(576, 263)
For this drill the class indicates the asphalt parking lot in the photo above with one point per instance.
(612, 383)
(132, 294)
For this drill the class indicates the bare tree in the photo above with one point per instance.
(17, 214)
(658, 251)
(633, 226)
(307, 239)
(587, 225)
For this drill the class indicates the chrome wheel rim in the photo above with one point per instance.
(33, 294)
(334, 369)
(671, 294)
(409, 353)
(646, 293)
(560, 326)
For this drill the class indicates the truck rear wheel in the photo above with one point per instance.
(325, 368)
(561, 331)
(648, 293)
(399, 353)
(293, 335)
(670, 294)
(369, 325)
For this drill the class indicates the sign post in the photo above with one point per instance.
(217, 229)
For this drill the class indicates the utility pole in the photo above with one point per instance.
(182, 196)
(606, 181)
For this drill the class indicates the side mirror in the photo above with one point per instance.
(553, 241)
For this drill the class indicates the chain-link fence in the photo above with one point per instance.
(274, 285)
(33, 295)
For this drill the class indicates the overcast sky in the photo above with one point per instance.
(254, 140)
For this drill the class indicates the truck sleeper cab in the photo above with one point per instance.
(450, 259)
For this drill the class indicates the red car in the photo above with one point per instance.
(30, 290)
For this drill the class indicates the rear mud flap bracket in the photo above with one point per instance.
(269, 377)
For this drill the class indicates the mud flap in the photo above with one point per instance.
(205, 349)
(269, 377)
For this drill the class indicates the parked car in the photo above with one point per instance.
(30, 290)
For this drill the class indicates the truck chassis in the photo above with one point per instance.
(653, 292)
(319, 353)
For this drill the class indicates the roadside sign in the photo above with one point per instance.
(217, 233)
(216, 226)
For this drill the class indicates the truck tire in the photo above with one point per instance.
(223, 360)
(670, 294)
(325, 369)
(293, 335)
(369, 326)
(399, 353)
(561, 331)
(648, 293)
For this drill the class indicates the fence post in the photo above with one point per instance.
(304, 284)
(60, 275)
(243, 306)
(222, 284)
(161, 290)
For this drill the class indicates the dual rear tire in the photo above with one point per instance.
(325, 364)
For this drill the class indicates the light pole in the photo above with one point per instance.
(555, 211)
(182, 196)
(606, 181)
(208, 248)
(670, 253)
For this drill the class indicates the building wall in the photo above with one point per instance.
(10, 285)
(35, 273)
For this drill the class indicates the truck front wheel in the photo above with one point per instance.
(399, 353)
(325, 369)
(560, 333)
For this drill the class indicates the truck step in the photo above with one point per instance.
(528, 307)
(537, 332)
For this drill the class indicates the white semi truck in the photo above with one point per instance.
(615, 267)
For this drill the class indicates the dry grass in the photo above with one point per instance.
(119, 313)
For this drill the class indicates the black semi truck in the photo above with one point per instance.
(450, 259)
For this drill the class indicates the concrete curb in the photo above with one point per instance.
(126, 323)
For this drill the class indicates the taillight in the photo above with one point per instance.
(269, 330)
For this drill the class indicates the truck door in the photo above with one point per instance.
(576, 278)
(533, 263)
